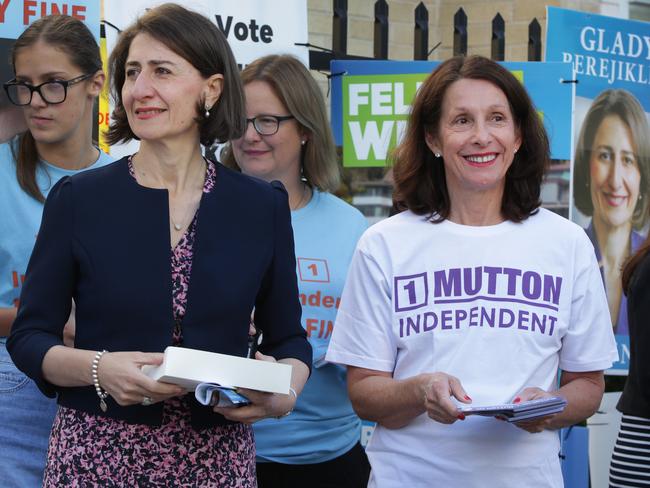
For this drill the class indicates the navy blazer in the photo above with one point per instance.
(104, 241)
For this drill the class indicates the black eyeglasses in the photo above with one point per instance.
(52, 92)
(267, 125)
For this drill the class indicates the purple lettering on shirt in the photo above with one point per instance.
(447, 282)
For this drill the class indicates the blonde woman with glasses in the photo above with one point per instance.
(288, 139)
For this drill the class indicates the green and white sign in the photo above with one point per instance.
(377, 108)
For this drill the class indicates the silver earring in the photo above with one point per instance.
(207, 112)
(303, 142)
(437, 154)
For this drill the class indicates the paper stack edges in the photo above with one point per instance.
(516, 412)
(189, 367)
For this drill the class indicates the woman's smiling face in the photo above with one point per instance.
(614, 172)
(477, 138)
(161, 91)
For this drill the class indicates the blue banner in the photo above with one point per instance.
(611, 160)
(604, 51)
(370, 102)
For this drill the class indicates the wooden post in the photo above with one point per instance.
(381, 30)
(340, 27)
(534, 41)
(460, 33)
(498, 38)
(421, 33)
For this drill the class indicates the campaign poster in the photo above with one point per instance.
(15, 17)
(371, 102)
(611, 152)
(253, 29)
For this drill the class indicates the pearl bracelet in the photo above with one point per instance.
(102, 394)
(295, 396)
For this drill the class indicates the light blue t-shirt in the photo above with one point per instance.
(20, 219)
(27, 414)
(323, 425)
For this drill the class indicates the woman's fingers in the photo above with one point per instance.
(257, 410)
(263, 405)
(438, 398)
(263, 357)
(535, 426)
(121, 376)
(531, 393)
(458, 391)
(149, 358)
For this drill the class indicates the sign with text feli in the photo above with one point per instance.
(371, 101)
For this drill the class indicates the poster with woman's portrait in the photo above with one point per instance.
(611, 158)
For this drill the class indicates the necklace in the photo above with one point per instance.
(178, 225)
(302, 198)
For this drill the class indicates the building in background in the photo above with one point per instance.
(370, 191)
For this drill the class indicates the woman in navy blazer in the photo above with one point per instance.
(160, 248)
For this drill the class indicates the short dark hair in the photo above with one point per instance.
(420, 184)
(625, 106)
(197, 40)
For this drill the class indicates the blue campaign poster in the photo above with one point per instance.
(604, 51)
(611, 153)
(371, 100)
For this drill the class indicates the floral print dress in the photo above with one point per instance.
(88, 450)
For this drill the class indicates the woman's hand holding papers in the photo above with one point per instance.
(438, 392)
(120, 374)
(537, 425)
(263, 405)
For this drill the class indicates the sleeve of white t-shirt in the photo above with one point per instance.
(589, 343)
(362, 334)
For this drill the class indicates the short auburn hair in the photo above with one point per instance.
(197, 40)
(420, 183)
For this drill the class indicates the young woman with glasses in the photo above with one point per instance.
(58, 77)
(288, 138)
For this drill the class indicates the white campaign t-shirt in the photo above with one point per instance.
(501, 308)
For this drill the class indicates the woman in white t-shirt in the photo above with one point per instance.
(471, 296)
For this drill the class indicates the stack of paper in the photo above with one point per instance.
(189, 367)
(516, 412)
